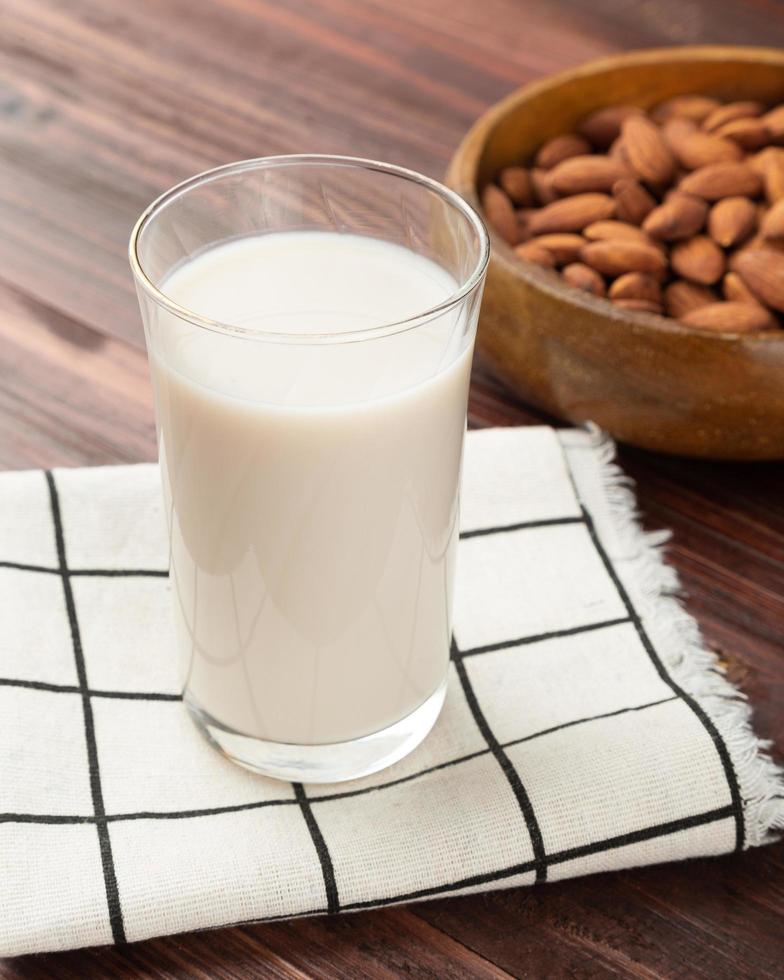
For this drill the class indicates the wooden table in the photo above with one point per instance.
(105, 104)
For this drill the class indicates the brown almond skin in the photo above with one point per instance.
(600, 128)
(774, 123)
(762, 270)
(544, 193)
(692, 107)
(682, 296)
(564, 246)
(760, 161)
(680, 216)
(772, 225)
(516, 184)
(633, 201)
(616, 152)
(587, 173)
(755, 243)
(500, 213)
(613, 257)
(719, 180)
(699, 149)
(774, 178)
(735, 290)
(699, 259)
(676, 130)
(730, 318)
(600, 230)
(583, 277)
(731, 110)
(732, 220)
(751, 134)
(639, 305)
(561, 148)
(531, 252)
(636, 285)
(572, 213)
(646, 150)
(523, 216)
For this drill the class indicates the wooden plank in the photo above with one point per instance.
(385, 944)
(706, 919)
(68, 394)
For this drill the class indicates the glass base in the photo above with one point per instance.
(333, 763)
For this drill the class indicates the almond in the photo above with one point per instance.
(719, 180)
(638, 305)
(760, 161)
(586, 173)
(732, 220)
(583, 277)
(774, 177)
(633, 201)
(682, 296)
(732, 110)
(693, 107)
(772, 225)
(601, 230)
(698, 149)
(602, 126)
(749, 133)
(735, 290)
(523, 216)
(699, 259)
(516, 184)
(755, 243)
(561, 148)
(616, 152)
(500, 213)
(646, 151)
(762, 270)
(680, 216)
(636, 285)
(572, 213)
(531, 252)
(613, 257)
(543, 189)
(774, 123)
(730, 318)
(676, 130)
(563, 246)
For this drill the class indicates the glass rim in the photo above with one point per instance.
(257, 163)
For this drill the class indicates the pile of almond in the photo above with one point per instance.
(678, 211)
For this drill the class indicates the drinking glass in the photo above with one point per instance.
(310, 447)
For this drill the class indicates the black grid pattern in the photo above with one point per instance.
(541, 861)
(104, 841)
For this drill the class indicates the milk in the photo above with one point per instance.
(311, 486)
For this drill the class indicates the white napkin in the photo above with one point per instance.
(585, 728)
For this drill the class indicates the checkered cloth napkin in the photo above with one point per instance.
(585, 729)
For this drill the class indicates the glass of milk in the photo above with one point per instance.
(310, 323)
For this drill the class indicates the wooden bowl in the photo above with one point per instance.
(646, 379)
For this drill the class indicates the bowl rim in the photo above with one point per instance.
(464, 166)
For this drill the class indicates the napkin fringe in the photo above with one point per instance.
(696, 669)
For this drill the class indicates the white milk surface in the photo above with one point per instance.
(311, 487)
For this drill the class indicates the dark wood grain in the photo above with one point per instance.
(102, 105)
